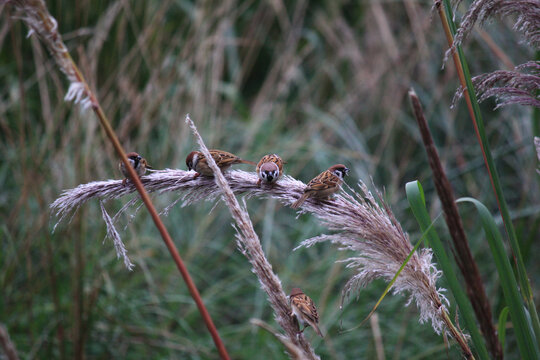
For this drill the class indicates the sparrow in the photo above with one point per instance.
(303, 308)
(269, 169)
(196, 161)
(323, 185)
(137, 162)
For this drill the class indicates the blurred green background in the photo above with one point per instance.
(319, 83)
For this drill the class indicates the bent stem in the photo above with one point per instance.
(162, 230)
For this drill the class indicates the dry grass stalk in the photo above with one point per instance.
(249, 244)
(197, 189)
(381, 246)
(35, 14)
(363, 226)
(121, 251)
(519, 86)
(294, 351)
(527, 14)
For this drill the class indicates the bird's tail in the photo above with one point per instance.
(242, 161)
(317, 330)
(300, 201)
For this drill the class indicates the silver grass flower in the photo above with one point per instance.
(519, 86)
(121, 251)
(194, 191)
(527, 13)
(363, 226)
(381, 246)
(36, 16)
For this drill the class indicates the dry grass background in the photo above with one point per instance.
(318, 83)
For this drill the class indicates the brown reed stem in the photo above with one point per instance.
(161, 228)
(463, 82)
(457, 63)
(466, 263)
(40, 21)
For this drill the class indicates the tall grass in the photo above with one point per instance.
(317, 83)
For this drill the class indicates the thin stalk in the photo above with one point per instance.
(415, 196)
(462, 255)
(249, 244)
(39, 20)
(458, 336)
(474, 110)
(535, 110)
(161, 228)
(159, 224)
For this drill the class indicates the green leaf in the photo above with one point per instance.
(415, 196)
(523, 328)
(502, 326)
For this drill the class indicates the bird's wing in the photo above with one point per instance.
(224, 158)
(324, 181)
(306, 307)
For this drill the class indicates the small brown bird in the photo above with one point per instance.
(196, 161)
(324, 184)
(305, 311)
(137, 162)
(269, 169)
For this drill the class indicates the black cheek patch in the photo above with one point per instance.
(135, 160)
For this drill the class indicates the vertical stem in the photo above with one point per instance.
(255, 254)
(535, 110)
(54, 290)
(474, 110)
(466, 263)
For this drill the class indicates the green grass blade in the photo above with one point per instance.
(415, 196)
(502, 326)
(524, 334)
(494, 176)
